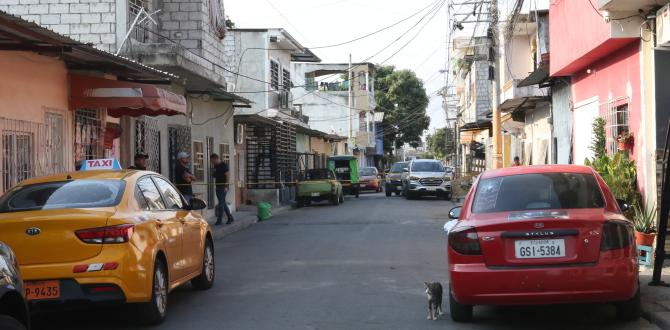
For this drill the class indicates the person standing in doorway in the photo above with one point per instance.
(517, 162)
(183, 176)
(220, 173)
(140, 162)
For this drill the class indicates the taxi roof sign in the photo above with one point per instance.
(100, 164)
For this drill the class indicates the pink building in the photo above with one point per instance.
(605, 58)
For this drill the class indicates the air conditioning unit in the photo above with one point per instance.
(663, 26)
(284, 99)
(230, 87)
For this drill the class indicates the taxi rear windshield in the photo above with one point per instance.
(537, 192)
(63, 195)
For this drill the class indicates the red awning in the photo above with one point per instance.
(123, 98)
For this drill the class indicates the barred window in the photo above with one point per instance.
(198, 161)
(616, 123)
(224, 152)
(286, 79)
(274, 75)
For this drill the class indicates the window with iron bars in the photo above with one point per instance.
(18, 157)
(274, 75)
(88, 140)
(616, 122)
(286, 79)
(141, 30)
(198, 161)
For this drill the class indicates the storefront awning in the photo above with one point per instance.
(537, 77)
(476, 126)
(123, 98)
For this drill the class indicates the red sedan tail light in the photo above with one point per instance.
(109, 235)
(464, 240)
(616, 235)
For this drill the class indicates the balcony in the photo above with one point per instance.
(514, 97)
(572, 49)
(626, 5)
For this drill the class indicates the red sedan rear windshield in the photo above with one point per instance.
(537, 192)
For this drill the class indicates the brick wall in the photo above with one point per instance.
(88, 21)
(188, 22)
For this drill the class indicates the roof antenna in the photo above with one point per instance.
(69, 177)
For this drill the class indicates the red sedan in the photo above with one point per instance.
(542, 235)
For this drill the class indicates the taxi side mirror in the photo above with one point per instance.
(406, 170)
(197, 204)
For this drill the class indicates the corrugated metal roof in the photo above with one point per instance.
(19, 34)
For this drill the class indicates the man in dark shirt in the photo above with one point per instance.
(220, 173)
(183, 176)
(140, 162)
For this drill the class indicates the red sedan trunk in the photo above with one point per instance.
(541, 235)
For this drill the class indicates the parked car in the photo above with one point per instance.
(346, 171)
(13, 307)
(106, 236)
(426, 177)
(393, 182)
(319, 185)
(545, 235)
(370, 179)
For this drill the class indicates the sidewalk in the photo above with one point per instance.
(245, 216)
(655, 303)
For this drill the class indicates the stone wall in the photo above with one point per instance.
(88, 21)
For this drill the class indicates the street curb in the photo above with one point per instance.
(243, 220)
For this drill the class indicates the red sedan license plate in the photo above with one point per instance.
(37, 290)
(540, 248)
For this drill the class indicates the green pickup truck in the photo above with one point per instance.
(319, 185)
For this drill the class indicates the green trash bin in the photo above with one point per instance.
(264, 211)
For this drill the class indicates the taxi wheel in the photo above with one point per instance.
(205, 280)
(341, 197)
(629, 310)
(10, 323)
(155, 310)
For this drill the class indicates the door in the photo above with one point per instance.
(584, 115)
(192, 243)
(170, 228)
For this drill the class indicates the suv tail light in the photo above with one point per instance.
(464, 240)
(616, 235)
(110, 234)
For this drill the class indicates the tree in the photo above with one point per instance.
(598, 140)
(441, 144)
(402, 98)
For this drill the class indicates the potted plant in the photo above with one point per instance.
(625, 141)
(645, 225)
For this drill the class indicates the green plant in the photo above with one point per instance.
(620, 174)
(644, 219)
(598, 145)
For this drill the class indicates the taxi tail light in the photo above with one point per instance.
(108, 235)
(464, 240)
(616, 235)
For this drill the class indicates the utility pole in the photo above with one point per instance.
(495, 97)
(350, 105)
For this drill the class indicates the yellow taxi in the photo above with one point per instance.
(106, 236)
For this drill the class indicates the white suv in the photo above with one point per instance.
(426, 177)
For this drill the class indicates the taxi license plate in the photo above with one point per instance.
(543, 248)
(42, 290)
(315, 194)
(431, 188)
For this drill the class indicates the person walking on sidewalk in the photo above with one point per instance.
(220, 173)
(183, 176)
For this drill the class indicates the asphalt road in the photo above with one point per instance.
(359, 265)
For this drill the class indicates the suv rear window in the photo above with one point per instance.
(63, 195)
(537, 192)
